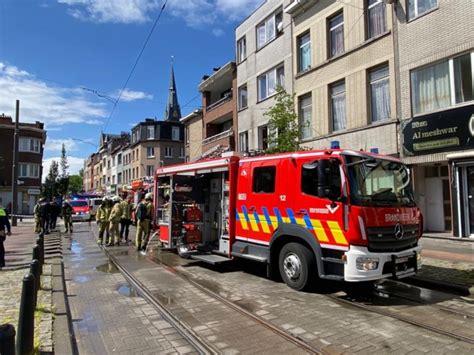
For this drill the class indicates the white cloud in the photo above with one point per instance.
(113, 11)
(53, 105)
(55, 145)
(130, 95)
(197, 14)
(75, 164)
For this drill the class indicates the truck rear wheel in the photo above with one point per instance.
(297, 264)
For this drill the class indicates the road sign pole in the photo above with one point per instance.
(15, 166)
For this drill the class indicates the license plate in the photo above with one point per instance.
(402, 260)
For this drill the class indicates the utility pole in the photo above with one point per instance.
(15, 165)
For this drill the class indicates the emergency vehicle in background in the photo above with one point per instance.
(336, 214)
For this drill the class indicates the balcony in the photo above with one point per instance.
(225, 138)
(226, 98)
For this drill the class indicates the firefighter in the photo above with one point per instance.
(55, 211)
(114, 221)
(66, 214)
(4, 224)
(143, 215)
(102, 219)
(45, 211)
(37, 214)
(126, 218)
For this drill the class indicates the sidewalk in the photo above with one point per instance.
(447, 263)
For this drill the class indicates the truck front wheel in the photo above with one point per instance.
(297, 266)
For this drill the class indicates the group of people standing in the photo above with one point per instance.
(46, 214)
(114, 217)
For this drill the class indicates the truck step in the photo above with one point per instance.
(210, 258)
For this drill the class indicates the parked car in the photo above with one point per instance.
(80, 210)
(94, 204)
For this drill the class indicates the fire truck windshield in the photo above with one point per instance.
(378, 182)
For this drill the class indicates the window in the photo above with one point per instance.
(150, 132)
(29, 145)
(264, 179)
(244, 142)
(150, 169)
(243, 97)
(268, 29)
(119, 178)
(379, 94)
(168, 152)
(442, 84)
(268, 82)
(119, 159)
(305, 116)
(376, 22)
(108, 164)
(419, 7)
(181, 152)
(310, 183)
(304, 52)
(175, 133)
(336, 35)
(186, 132)
(338, 106)
(113, 179)
(150, 152)
(263, 137)
(133, 155)
(241, 50)
(28, 170)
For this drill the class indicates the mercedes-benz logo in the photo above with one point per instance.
(399, 231)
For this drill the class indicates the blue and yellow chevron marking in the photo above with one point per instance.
(267, 224)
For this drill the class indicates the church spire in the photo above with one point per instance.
(172, 112)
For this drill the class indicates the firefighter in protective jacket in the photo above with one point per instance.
(143, 215)
(66, 214)
(102, 219)
(37, 214)
(114, 221)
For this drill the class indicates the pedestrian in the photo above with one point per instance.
(4, 225)
(102, 219)
(55, 212)
(114, 221)
(143, 215)
(66, 214)
(45, 211)
(126, 218)
(37, 215)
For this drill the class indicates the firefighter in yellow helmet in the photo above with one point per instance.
(143, 216)
(102, 219)
(114, 221)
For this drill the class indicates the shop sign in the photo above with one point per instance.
(445, 131)
(137, 184)
(34, 191)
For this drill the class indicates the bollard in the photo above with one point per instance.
(7, 339)
(37, 256)
(40, 242)
(34, 269)
(26, 320)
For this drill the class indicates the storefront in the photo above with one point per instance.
(439, 148)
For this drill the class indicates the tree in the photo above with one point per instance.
(64, 177)
(283, 129)
(51, 185)
(81, 173)
(75, 184)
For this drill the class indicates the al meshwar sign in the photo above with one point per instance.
(449, 130)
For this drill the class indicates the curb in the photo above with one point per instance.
(454, 239)
(458, 289)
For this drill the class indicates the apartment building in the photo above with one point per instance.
(436, 51)
(264, 62)
(193, 133)
(31, 140)
(219, 113)
(344, 73)
(89, 183)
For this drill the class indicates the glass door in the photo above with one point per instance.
(470, 198)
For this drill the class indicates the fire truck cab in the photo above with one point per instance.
(334, 214)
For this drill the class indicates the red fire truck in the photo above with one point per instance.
(336, 214)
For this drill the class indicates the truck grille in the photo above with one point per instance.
(382, 239)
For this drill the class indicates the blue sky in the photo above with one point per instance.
(51, 49)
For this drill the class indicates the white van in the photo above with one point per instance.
(94, 204)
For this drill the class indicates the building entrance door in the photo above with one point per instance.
(470, 198)
(435, 205)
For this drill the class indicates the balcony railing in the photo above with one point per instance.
(226, 98)
(228, 133)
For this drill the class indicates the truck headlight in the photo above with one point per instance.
(367, 264)
(419, 260)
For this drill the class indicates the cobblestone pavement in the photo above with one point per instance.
(314, 317)
(19, 252)
(107, 316)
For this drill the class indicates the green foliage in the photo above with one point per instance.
(283, 128)
(75, 184)
(63, 180)
(51, 184)
(81, 173)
